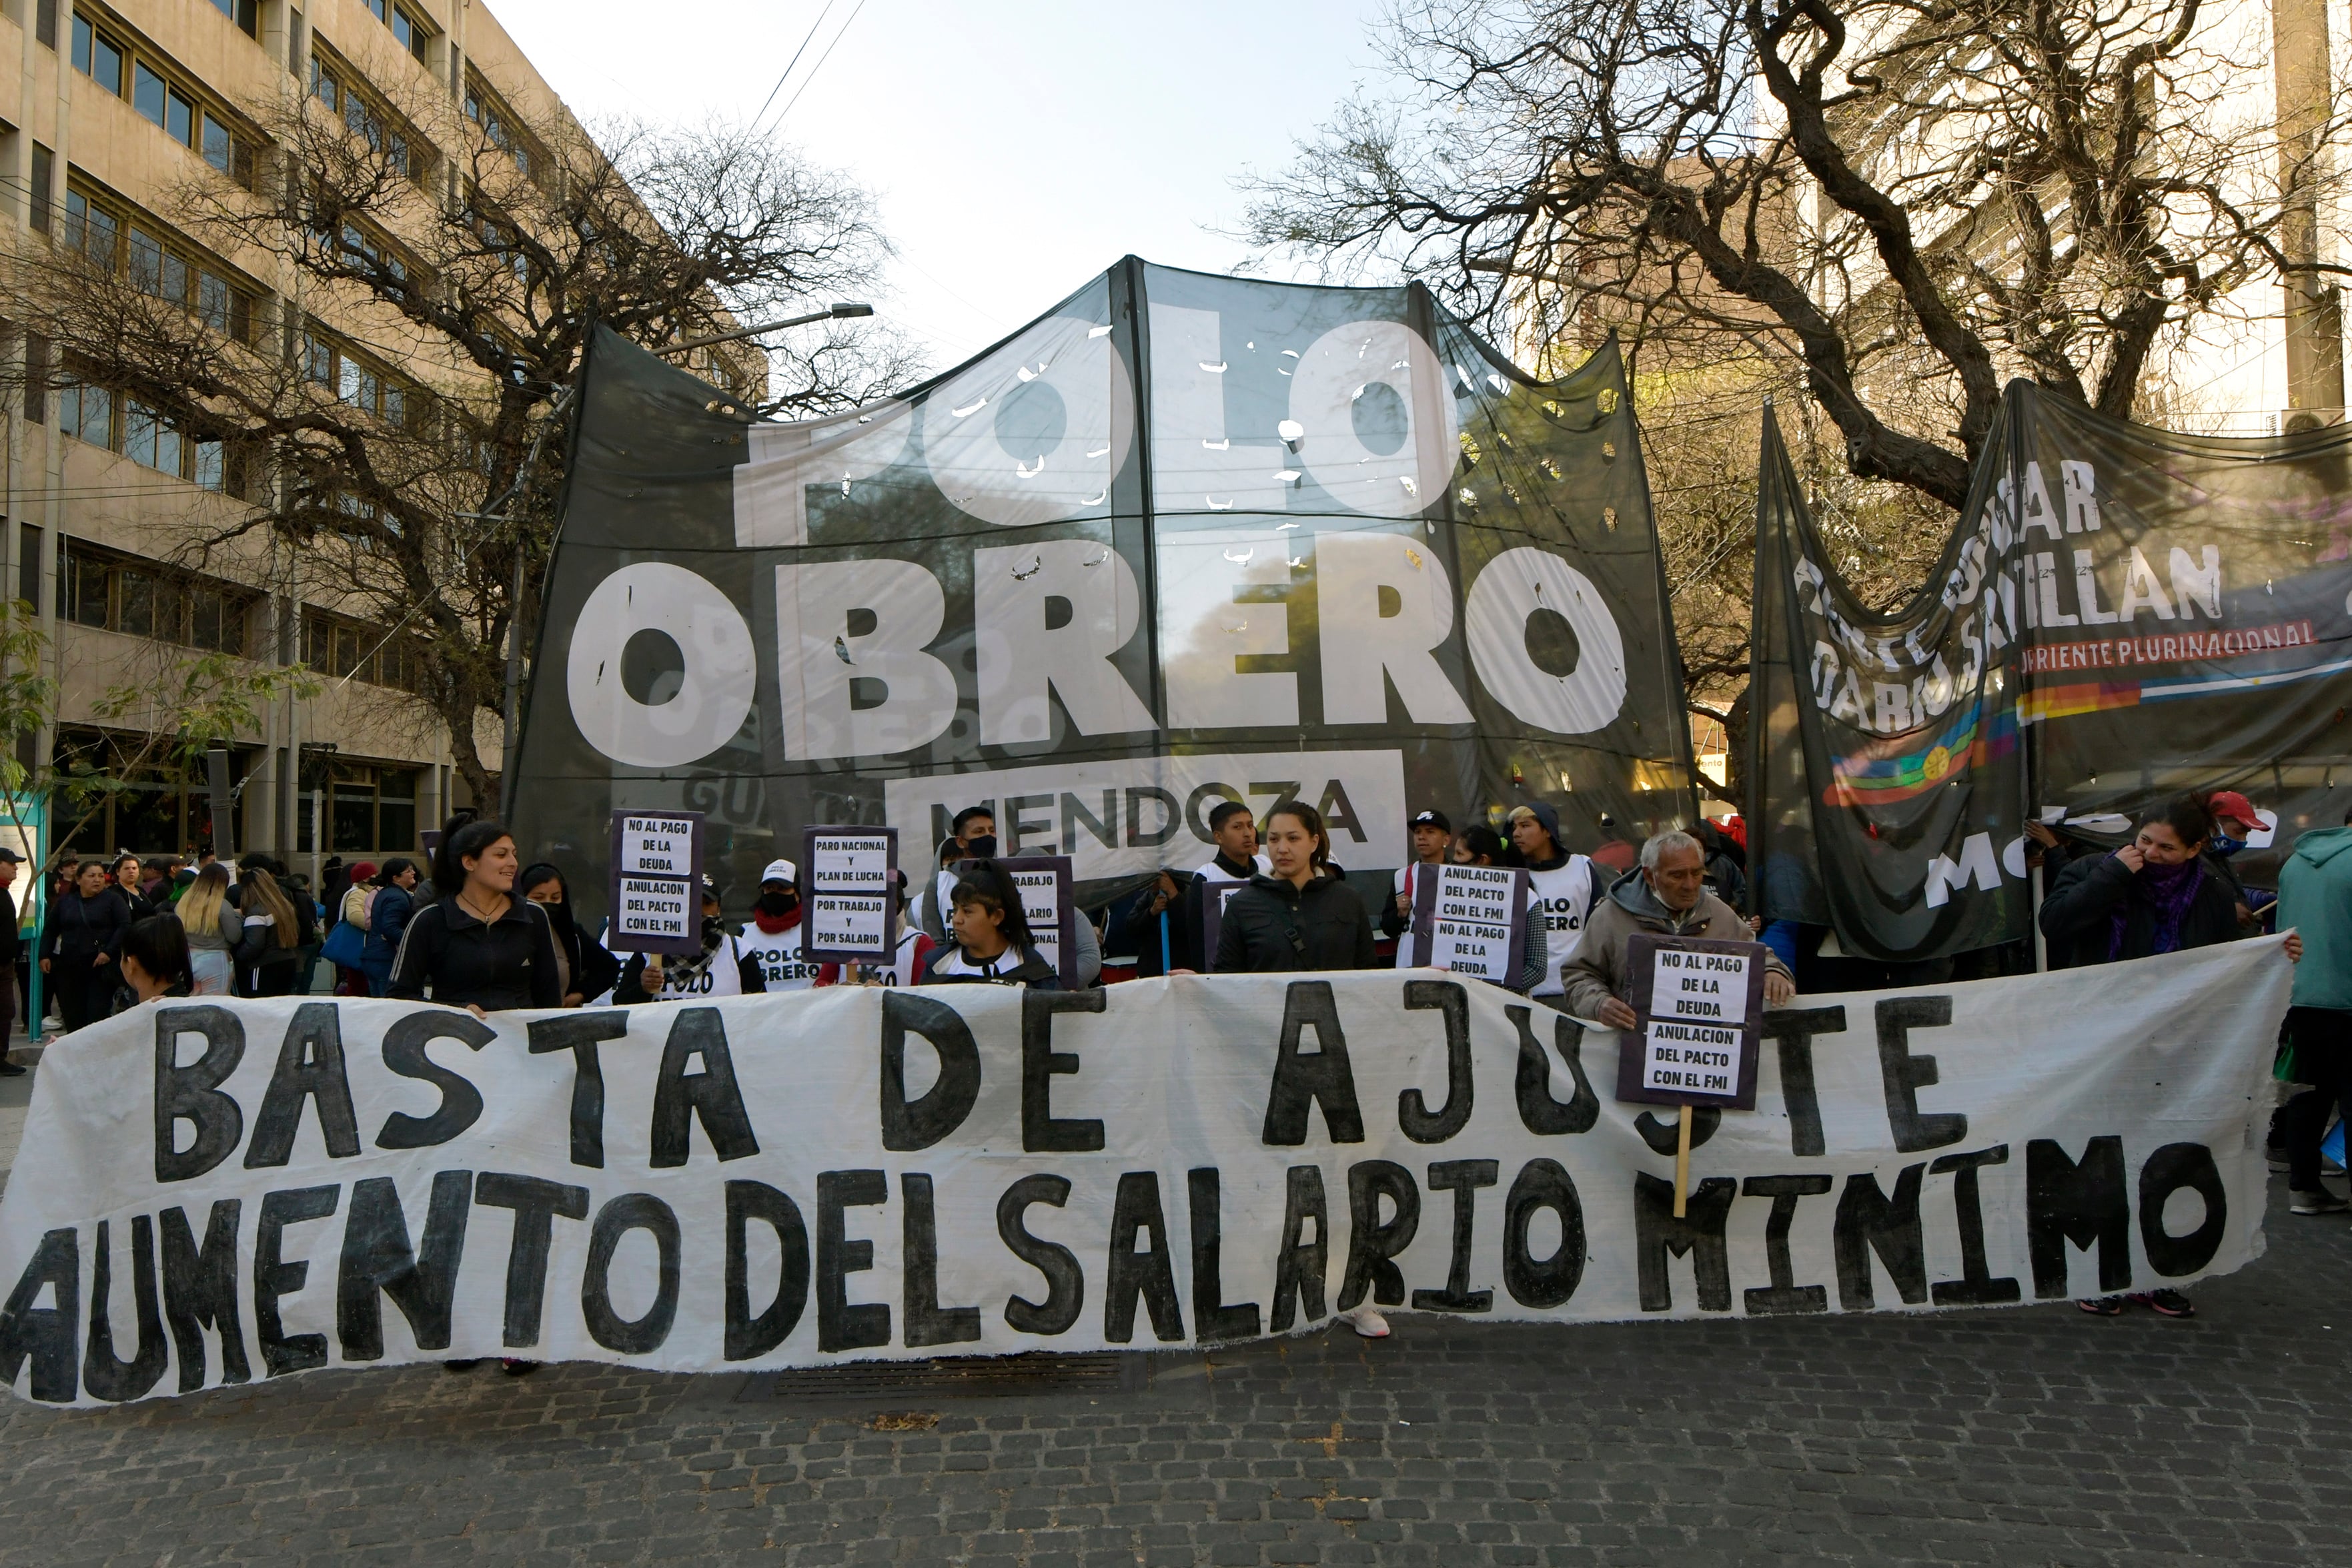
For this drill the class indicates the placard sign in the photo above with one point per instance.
(845, 874)
(1700, 1003)
(656, 861)
(1044, 885)
(1472, 920)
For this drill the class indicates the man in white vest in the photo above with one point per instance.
(1432, 835)
(1234, 833)
(1564, 886)
(775, 936)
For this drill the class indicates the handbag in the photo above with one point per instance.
(345, 945)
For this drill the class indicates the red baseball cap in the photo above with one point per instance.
(2228, 806)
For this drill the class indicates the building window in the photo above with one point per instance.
(45, 193)
(157, 264)
(148, 809)
(164, 101)
(498, 124)
(45, 21)
(109, 592)
(369, 809)
(245, 13)
(86, 413)
(353, 381)
(413, 31)
(336, 86)
(337, 648)
(97, 56)
(147, 92)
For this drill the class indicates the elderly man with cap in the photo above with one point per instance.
(1666, 897)
(774, 937)
(1564, 886)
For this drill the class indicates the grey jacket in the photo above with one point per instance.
(1598, 970)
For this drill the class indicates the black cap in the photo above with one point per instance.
(1431, 819)
(12, 857)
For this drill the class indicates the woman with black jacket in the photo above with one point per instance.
(481, 945)
(126, 873)
(2155, 894)
(1302, 916)
(80, 941)
(588, 970)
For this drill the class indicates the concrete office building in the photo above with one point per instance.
(115, 105)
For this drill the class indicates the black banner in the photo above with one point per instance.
(1884, 751)
(2122, 615)
(1184, 538)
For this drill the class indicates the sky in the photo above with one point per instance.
(1016, 148)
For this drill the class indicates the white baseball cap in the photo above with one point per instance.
(782, 870)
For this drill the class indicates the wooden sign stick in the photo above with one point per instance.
(1682, 1163)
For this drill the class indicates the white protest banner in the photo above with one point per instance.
(1471, 920)
(216, 1193)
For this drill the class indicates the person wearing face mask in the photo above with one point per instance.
(586, 967)
(724, 967)
(2154, 895)
(973, 839)
(775, 937)
(2235, 822)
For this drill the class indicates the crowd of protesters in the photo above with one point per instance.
(478, 929)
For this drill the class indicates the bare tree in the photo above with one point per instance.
(390, 426)
(1898, 201)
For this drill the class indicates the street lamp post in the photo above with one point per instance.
(843, 310)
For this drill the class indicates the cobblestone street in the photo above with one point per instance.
(2025, 1437)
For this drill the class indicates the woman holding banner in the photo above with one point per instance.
(989, 941)
(480, 946)
(1301, 916)
(2153, 895)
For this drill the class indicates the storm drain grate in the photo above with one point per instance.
(959, 1378)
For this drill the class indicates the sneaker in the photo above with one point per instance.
(2101, 1306)
(2278, 1162)
(1367, 1322)
(2167, 1304)
(2319, 1202)
(10, 1070)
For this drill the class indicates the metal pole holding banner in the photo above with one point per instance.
(2041, 943)
(1682, 1161)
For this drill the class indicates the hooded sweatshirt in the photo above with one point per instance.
(1598, 971)
(2316, 898)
